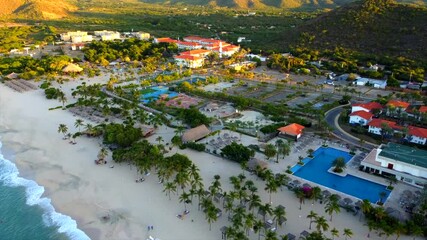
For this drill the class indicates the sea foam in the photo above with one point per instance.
(9, 176)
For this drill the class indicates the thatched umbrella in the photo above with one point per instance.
(290, 236)
(72, 68)
(326, 193)
(306, 185)
(348, 201)
(296, 182)
(304, 234)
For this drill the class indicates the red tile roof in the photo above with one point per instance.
(370, 105)
(188, 57)
(195, 52)
(378, 123)
(292, 129)
(396, 103)
(423, 109)
(166, 40)
(416, 131)
(188, 43)
(363, 114)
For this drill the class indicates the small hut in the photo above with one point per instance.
(195, 134)
(12, 76)
(72, 68)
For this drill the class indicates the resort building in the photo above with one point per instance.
(107, 35)
(368, 81)
(196, 53)
(80, 39)
(376, 126)
(407, 164)
(367, 107)
(293, 130)
(246, 65)
(141, 35)
(189, 61)
(195, 134)
(188, 45)
(164, 40)
(67, 36)
(361, 118)
(417, 135)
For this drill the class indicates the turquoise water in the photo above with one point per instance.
(24, 214)
(316, 170)
(153, 96)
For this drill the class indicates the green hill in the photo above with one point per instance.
(371, 26)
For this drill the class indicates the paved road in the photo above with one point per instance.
(331, 119)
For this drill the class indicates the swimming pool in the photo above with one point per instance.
(316, 170)
(153, 93)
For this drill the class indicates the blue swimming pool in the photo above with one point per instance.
(155, 94)
(316, 170)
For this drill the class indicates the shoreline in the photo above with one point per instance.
(86, 192)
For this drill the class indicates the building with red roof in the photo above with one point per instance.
(189, 61)
(188, 45)
(293, 130)
(397, 104)
(196, 53)
(165, 40)
(376, 125)
(361, 118)
(422, 109)
(367, 107)
(417, 135)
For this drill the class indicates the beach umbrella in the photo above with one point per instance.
(306, 185)
(280, 206)
(348, 201)
(290, 236)
(304, 234)
(296, 182)
(326, 193)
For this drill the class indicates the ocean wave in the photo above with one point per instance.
(9, 176)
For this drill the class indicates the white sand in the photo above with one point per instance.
(86, 192)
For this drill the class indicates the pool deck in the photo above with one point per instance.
(314, 142)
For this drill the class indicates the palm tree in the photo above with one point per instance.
(312, 215)
(258, 226)
(316, 193)
(185, 198)
(279, 145)
(179, 130)
(159, 139)
(300, 195)
(279, 214)
(264, 210)
(62, 98)
(170, 187)
(249, 222)
(254, 201)
(339, 164)
(335, 233)
(78, 123)
(271, 235)
(321, 224)
(103, 152)
(347, 233)
(310, 152)
(211, 216)
(63, 129)
(271, 186)
(331, 207)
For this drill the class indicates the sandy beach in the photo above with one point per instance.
(87, 193)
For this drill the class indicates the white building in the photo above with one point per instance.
(80, 39)
(189, 61)
(188, 45)
(141, 35)
(107, 35)
(417, 135)
(68, 35)
(407, 164)
(367, 107)
(376, 126)
(369, 81)
(361, 118)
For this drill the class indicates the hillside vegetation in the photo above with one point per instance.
(378, 27)
(37, 9)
